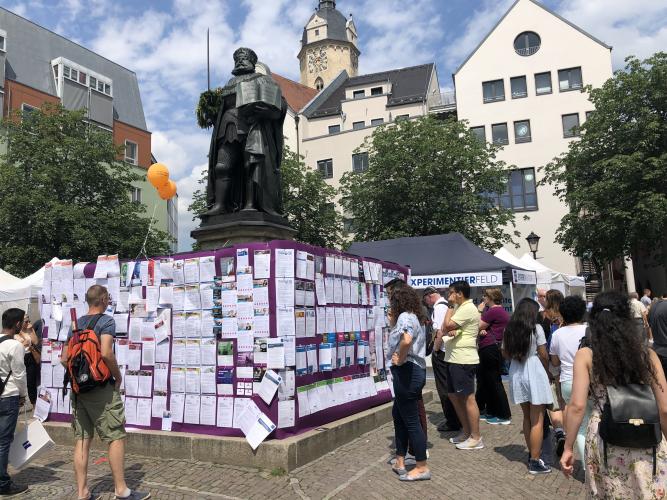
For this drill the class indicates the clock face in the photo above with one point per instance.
(522, 130)
(317, 60)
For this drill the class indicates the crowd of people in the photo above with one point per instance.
(99, 410)
(586, 377)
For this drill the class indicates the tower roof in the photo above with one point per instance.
(336, 22)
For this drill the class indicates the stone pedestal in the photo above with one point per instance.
(246, 226)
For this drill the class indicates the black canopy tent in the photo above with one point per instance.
(441, 259)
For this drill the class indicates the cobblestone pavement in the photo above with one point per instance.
(356, 470)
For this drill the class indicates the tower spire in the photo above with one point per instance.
(327, 4)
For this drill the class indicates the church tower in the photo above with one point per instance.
(328, 46)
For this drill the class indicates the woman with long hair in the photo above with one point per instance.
(615, 355)
(551, 320)
(525, 344)
(407, 353)
(491, 396)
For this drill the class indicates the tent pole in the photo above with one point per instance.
(512, 295)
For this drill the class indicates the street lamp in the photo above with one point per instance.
(533, 242)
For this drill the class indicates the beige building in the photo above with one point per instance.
(522, 88)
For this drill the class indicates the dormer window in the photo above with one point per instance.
(357, 94)
(376, 91)
(80, 75)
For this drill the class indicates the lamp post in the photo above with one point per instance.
(533, 242)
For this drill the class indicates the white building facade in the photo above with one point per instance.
(522, 88)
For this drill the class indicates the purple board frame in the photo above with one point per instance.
(303, 424)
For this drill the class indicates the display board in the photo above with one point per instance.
(258, 340)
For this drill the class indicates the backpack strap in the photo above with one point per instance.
(6, 337)
(92, 322)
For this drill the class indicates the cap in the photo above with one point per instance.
(429, 290)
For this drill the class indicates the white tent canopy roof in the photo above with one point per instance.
(20, 289)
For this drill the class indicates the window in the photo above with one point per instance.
(522, 131)
(27, 110)
(359, 162)
(402, 117)
(571, 125)
(377, 91)
(588, 115)
(325, 167)
(319, 83)
(527, 43)
(520, 193)
(131, 152)
(107, 89)
(74, 75)
(358, 93)
(93, 82)
(136, 195)
(494, 91)
(100, 86)
(569, 79)
(480, 133)
(317, 32)
(334, 129)
(2, 43)
(543, 83)
(358, 125)
(377, 121)
(519, 88)
(499, 133)
(82, 78)
(55, 71)
(348, 226)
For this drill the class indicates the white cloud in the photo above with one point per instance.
(403, 32)
(186, 187)
(477, 26)
(632, 28)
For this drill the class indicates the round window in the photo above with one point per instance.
(527, 43)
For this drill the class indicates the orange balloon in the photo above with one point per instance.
(158, 175)
(168, 191)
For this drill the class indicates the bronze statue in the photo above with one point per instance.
(247, 116)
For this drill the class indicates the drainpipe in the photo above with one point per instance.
(296, 124)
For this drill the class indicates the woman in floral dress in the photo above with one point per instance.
(616, 355)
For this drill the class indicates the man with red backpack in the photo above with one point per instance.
(92, 369)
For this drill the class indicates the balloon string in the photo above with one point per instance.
(143, 247)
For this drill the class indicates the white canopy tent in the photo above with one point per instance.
(568, 284)
(21, 293)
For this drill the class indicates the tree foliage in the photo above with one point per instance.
(64, 194)
(308, 203)
(614, 179)
(426, 177)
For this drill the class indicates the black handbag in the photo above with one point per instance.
(630, 419)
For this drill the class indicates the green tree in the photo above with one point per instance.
(63, 193)
(614, 179)
(425, 177)
(308, 203)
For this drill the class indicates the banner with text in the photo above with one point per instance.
(488, 279)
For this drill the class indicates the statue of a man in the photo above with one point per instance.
(247, 115)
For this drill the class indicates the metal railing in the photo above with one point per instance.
(442, 100)
(528, 51)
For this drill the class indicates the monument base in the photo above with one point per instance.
(220, 231)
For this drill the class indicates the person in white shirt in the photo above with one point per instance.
(15, 389)
(438, 305)
(639, 313)
(564, 346)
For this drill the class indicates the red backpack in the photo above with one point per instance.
(86, 369)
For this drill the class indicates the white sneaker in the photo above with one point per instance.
(471, 444)
(459, 438)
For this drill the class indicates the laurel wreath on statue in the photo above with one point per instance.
(208, 106)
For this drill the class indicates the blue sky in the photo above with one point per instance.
(164, 42)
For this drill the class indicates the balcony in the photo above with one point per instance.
(444, 102)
